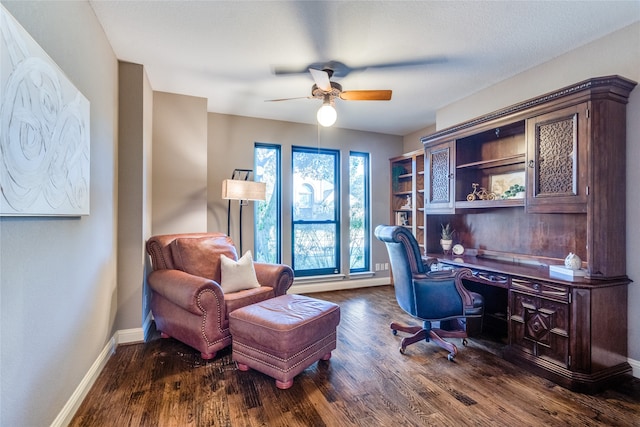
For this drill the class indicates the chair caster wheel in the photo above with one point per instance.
(464, 342)
(450, 357)
(394, 332)
(401, 350)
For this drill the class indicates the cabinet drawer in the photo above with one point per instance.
(544, 290)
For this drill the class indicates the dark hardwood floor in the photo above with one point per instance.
(367, 382)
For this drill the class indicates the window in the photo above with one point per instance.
(267, 240)
(315, 211)
(358, 212)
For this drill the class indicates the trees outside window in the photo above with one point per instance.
(359, 212)
(267, 220)
(315, 228)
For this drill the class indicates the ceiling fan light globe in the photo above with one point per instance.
(327, 115)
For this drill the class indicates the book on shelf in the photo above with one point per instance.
(402, 218)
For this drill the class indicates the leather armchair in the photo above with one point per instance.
(187, 300)
(437, 296)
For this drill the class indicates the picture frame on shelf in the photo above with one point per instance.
(502, 185)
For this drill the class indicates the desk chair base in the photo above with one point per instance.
(436, 335)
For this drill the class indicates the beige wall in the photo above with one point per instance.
(412, 140)
(134, 189)
(618, 53)
(58, 282)
(179, 196)
(231, 142)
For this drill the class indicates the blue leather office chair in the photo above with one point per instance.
(437, 296)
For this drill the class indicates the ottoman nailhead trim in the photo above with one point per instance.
(326, 340)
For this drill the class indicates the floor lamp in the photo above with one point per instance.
(241, 188)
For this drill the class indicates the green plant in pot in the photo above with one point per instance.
(446, 237)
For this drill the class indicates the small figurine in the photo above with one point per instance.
(483, 194)
(407, 205)
(573, 261)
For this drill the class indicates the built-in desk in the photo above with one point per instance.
(571, 332)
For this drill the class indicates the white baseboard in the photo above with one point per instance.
(127, 336)
(120, 337)
(635, 366)
(337, 285)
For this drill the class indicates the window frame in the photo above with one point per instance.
(367, 212)
(278, 202)
(337, 222)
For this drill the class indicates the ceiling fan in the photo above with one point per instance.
(328, 90)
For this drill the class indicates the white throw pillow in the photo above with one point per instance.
(237, 275)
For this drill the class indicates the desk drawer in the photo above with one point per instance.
(490, 278)
(541, 289)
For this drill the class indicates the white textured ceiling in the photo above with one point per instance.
(226, 51)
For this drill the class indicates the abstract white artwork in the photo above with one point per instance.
(44, 131)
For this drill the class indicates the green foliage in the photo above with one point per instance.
(447, 232)
(512, 191)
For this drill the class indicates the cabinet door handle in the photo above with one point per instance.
(531, 163)
(451, 176)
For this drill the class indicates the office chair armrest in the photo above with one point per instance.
(467, 298)
(428, 262)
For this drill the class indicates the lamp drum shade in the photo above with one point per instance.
(234, 189)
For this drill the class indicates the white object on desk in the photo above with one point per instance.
(563, 272)
(572, 261)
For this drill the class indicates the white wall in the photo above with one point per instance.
(58, 275)
(618, 53)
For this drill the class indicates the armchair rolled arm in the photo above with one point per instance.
(184, 289)
(278, 276)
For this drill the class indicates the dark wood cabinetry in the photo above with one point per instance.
(567, 149)
(539, 320)
(572, 332)
(557, 165)
(439, 180)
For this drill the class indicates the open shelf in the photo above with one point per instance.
(483, 204)
(494, 163)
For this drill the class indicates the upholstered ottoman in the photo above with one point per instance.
(283, 336)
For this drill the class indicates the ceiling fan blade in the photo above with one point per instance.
(321, 78)
(341, 69)
(397, 64)
(366, 95)
(326, 65)
(284, 71)
(287, 99)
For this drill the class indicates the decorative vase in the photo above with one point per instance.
(573, 261)
(446, 244)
